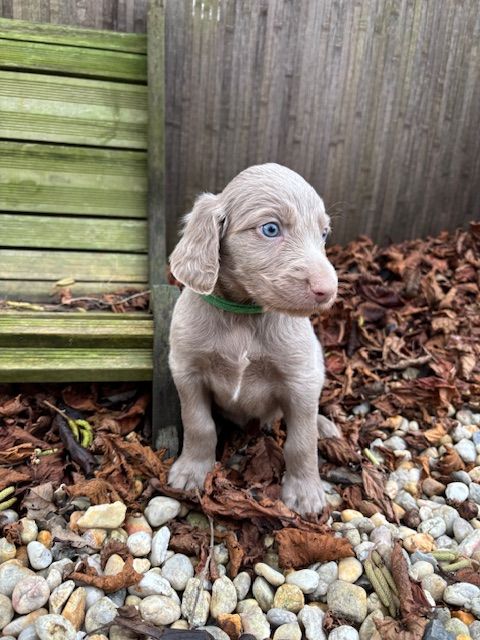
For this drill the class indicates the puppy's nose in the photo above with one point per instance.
(321, 291)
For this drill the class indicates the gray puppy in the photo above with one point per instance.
(259, 248)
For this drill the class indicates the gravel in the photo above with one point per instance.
(39, 601)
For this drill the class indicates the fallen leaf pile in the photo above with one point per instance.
(403, 337)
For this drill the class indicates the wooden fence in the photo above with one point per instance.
(375, 102)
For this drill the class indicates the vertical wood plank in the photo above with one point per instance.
(165, 404)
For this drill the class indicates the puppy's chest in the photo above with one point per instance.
(239, 371)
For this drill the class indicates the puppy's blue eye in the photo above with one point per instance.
(325, 233)
(271, 230)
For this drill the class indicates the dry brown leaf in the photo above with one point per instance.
(264, 462)
(127, 577)
(467, 575)
(98, 491)
(435, 434)
(411, 629)
(301, 548)
(10, 477)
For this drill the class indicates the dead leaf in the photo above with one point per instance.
(39, 502)
(301, 548)
(127, 577)
(98, 491)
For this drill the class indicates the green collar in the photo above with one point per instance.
(233, 307)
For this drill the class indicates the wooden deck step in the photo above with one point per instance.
(75, 365)
(76, 330)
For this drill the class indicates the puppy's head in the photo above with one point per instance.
(262, 239)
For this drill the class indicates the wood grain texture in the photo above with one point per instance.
(74, 330)
(76, 61)
(23, 264)
(118, 15)
(74, 365)
(90, 234)
(46, 291)
(72, 110)
(75, 180)
(376, 103)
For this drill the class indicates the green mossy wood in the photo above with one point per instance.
(82, 198)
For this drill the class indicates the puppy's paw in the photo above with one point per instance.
(303, 495)
(187, 474)
(327, 428)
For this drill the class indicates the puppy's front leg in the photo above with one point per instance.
(199, 435)
(302, 488)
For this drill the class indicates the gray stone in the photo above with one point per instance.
(449, 514)
(224, 597)
(17, 625)
(435, 630)
(6, 611)
(152, 584)
(460, 593)
(368, 628)
(347, 601)
(436, 526)
(474, 491)
(445, 542)
(435, 585)
(343, 632)
(118, 597)
(178, 570)
(54, 627)
(159, 546)
(195, 603)
(457, 627)
(420, 570)
(362, 551)
(474, 630)
(263, 593)
(470, 544)
(475, 607)
(38, 555)
(139, 543)
(161, 509)
(465, 416)
(312, 620)
(456, 492)
(11, 572)
(289, 631)
(215, 632)
(461, 529)
(466, 450)
(424, 557)
(406, 501)
(277, 617)
(242, 583)
(159, 610)
(254, 621)
(395, 443)
(30, 593)
(93, 595)
(100, 614)
(462, 476)
(220, 554)
(306, 579)
(273, 577)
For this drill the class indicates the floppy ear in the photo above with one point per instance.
(195, 260)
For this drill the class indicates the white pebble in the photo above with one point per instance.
(161, 509)
(456, 491)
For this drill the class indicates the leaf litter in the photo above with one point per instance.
(402, 338)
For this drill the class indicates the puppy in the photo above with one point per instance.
(259, 248)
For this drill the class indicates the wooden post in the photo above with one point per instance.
(165, 404)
